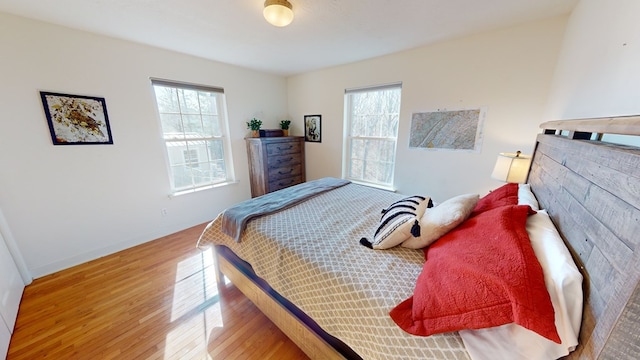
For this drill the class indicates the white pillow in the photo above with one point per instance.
(564, 284)
(526, 197)
(441, 219)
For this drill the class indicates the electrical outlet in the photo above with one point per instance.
(163, 212)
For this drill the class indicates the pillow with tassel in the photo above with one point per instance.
(399, 222)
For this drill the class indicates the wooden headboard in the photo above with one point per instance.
(591, 190)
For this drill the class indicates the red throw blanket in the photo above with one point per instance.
(482, 274)
(506, 194)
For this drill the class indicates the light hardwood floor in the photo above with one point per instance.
(158, 300)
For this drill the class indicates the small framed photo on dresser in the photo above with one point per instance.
(312, 127)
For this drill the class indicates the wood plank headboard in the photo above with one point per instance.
(591, 190)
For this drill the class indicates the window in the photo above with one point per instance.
(372, 117)
(194, 127)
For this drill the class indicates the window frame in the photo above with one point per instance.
(186, 137)
(349, 138)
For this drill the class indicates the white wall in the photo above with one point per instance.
(507, 71)
(70, 204)
(66, 205)
(598, 71)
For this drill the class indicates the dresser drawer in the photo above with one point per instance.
(283, 183)
(282, 148)
(278, 161)
(285, 172)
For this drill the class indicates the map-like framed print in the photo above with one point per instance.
(456, 130)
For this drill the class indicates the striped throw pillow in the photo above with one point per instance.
(399, 222)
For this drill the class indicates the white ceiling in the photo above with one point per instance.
(323, 33)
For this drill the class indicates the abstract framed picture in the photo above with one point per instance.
(312, 127)
(76, 119)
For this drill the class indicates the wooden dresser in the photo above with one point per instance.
(275, 163)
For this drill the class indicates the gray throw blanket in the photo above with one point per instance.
(235, 218)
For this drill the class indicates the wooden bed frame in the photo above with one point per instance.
(591, 190)
(303, 331)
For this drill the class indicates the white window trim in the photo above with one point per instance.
(346, 153)
(228, 157)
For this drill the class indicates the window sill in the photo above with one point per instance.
(191, 191)
(375, 186)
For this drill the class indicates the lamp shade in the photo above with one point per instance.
(278, 12)
(512, 168)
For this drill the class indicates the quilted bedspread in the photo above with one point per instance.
(311, 254)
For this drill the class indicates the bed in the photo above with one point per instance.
(588, 188)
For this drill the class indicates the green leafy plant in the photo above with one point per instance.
(284, 124)
(254, 124)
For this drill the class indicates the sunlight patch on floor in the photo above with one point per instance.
(190, 338)
(196, 308)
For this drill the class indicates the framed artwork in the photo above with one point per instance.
(76, 119)
(447, 130)
(312, 126)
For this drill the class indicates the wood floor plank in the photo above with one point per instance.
(158, 300)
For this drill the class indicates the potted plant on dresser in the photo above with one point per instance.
(254, 125)
(284, 125)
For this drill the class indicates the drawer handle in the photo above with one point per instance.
(285, 172)
(280, 161)
(291, 181)
(290, 147)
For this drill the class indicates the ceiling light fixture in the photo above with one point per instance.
(278, 12)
